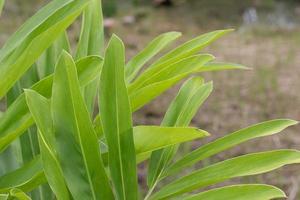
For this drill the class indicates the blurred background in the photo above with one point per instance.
(267, 39)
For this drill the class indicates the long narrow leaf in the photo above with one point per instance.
(26, 178)
(117, 123)
(18, 194)
(159, 81)
(48, 59)
(185, 65)
(231, 140)
(76, 142)
(144, 137)
(181, 111)
(154, 47)
(237, 192)
(39, 107)
(36, 35)
(218, 66)
(189, 48)
(1, 5)
(91, 43)
(144, 95)
(250, 164)
(17, 118)
(92, 36)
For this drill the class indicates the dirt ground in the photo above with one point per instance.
(240, 98)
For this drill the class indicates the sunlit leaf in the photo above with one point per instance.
(76, 142)
(231, 140)
(189, 48)
(37, 34)
(116, 119)
(17, 118)
(154, 47)
(1, 5)
(91, 43)
(250, 164)
(39, 107)
(181, 111)
(18, 195)
(237, 192)
(144, 137)
(183, 66)
(26, 178)
(48, 59)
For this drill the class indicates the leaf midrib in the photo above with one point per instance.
(118, 133)
(78, 134)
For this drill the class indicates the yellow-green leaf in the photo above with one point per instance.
(246, 165)
(76, 142)
(229, 141)
(116, 120)
(238, 192)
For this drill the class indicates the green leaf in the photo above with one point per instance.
(189, 48)
(237, 192)
(181, 111)
(37, 34)
(4, 196)
(161, 80)
(39, 107)
(26, 178)
(153, 48)
(91, 43)
(231, 140)
(76, 142)
(27, 144)
(117, 123)
(17, 194)
(48, 59)
(183, 66)
(1, 6)
(218, 66)
(246, 165)
(145, 137)
(92, 35)
(143, 96)
(17, 118)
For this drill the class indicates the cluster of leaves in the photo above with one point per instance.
(55, 144)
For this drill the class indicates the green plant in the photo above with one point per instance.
(1, 6)
(70, 150)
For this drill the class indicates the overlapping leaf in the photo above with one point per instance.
(17, 118)
(26, 178)
(39, 107)
(145, 138)
(250, 164)
(231, 140)
(76, 142)
(154, 47)
(116, 120)
(91, 43)
(36, 35)
(180, 113)
(48, 59)
(183, 66)
(189, 48)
